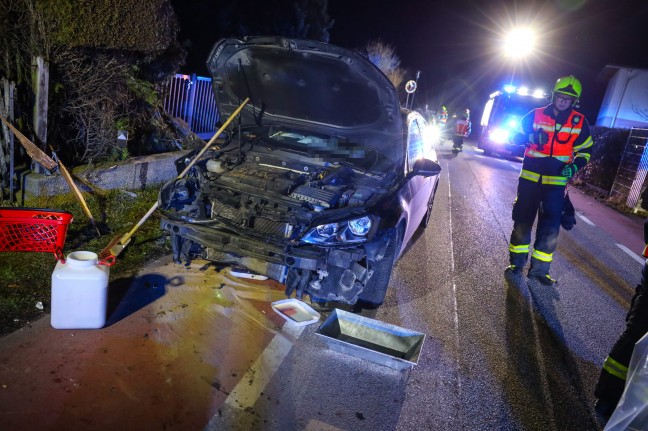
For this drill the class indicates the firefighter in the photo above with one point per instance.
(558, 144)
(612, 379)
(461, 131)
(443, 115)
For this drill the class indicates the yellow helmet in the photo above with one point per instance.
(568, 85)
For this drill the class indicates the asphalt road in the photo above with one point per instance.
(190, 348)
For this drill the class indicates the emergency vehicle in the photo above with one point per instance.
(502, 114)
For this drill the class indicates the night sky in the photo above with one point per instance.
(455, 44)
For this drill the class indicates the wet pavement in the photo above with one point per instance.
(178, 341)
(190, 348)
(623, 228)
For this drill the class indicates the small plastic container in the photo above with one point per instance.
(295, 312)
(79, 292)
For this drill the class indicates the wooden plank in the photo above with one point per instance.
(32, 150)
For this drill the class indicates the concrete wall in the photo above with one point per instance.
(133, 174)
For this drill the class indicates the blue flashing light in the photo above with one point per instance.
(499, 136)
(509, 88)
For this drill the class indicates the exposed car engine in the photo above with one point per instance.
(319, 185)
(234, 199)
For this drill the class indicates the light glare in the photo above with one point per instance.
(519, 42)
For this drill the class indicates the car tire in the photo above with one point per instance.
(426, 218)
(374, 293)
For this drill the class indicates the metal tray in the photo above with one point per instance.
(372, 340)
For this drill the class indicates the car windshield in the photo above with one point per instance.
(323, 148)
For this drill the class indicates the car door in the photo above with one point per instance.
(419, 187)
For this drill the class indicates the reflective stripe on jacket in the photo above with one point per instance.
(568, 141)
(462, 127)
(561, 138)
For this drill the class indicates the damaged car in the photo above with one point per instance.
(320, 182)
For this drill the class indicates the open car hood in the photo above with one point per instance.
(305, 84)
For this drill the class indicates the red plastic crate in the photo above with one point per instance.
(34, 229)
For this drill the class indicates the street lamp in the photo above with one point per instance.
(519, 43)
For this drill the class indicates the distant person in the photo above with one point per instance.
(462, 128)
(443, 115)
(558, 144)
(611, 382)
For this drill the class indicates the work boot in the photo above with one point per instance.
(513, 270)
(543, 279)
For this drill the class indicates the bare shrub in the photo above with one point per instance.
(384, 57)
(95, 99)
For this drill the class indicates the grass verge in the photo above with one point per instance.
(25, 277)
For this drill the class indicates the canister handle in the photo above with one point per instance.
(58, 254)
(108, 261)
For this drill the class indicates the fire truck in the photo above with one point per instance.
(502, 114)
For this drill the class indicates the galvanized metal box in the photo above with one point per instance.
(372, 340)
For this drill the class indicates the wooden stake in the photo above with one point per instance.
(32, 150)
(77, 193)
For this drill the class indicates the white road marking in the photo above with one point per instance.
(585, 219)
(631, 253)
(517, 168)
(455, 308)
(249, 388)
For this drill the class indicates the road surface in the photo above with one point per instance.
(192, 348)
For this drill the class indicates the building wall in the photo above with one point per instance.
(625, 104)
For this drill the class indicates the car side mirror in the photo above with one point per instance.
(426, 168)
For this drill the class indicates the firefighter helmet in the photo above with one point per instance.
(568, 85)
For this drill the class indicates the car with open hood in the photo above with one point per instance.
(320, 182)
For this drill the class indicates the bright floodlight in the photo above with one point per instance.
(519, 43)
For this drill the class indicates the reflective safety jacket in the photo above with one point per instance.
(462, 127)
(568, 141)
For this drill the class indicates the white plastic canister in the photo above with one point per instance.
(79, 292)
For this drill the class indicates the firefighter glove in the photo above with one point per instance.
(569, 170)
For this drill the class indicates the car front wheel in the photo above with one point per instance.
(374, 292)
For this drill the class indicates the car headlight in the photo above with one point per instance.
(360, 226)
(345, 232)
(327, 230)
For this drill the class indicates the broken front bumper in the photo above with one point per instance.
(327, 273)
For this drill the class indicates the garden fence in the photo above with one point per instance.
(631, 175)
(190, 98)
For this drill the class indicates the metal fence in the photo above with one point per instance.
(190, 98)
(631, 175)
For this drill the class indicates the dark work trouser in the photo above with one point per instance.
(546, 201)
(609, 387)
